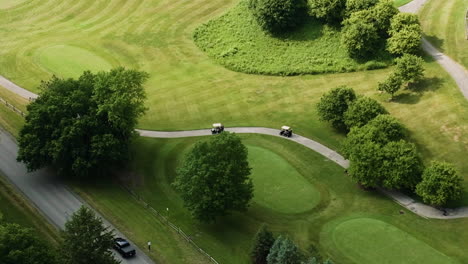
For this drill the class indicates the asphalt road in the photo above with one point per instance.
(53, 199)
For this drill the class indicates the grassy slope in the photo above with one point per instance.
(237, 42)
(16, 209)
(229, 240)
(444, 25)
(401, 2)
(9, 119)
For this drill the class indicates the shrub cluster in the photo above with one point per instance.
(268, 250)
(408, 70)
(405, 34)
(276, 16)
(377, 147)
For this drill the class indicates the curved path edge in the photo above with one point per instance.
(458, 73)
(409, 203)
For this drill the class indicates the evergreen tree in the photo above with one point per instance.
(262, 244)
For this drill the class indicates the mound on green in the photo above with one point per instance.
(367, 240)
(278, 185)
(236, 41)
(70, 62)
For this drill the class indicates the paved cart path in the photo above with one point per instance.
(53, 199)
(457, 71)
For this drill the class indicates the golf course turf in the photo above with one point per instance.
(277, 184)
(188, 89)
(367, 240)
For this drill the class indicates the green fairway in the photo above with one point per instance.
(229, 239)
(367, 240)
(443, 23)
(4, 4)
(236, 41)
(278, 185)
(69, 61)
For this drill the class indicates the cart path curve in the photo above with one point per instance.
(457, 71)
(53, 199)
(404, 200)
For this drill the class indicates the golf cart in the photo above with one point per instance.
(217, 128)
(286, 131)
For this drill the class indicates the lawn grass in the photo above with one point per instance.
(236, 41)
(228, 240)
(443, 23)
(366, 240)
(277, 184)
(4, 4)
(187, 90)
(70, 62)
(16, 209)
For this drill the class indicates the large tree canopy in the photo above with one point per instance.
(86, 240)
(361, 111)
(331, 11)
(405, 34)
(214, 177)
(360, 34)
(85, 125)
(276, 16)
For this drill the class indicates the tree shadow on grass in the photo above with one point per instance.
(413, 93)
(312, 29)
(434, 40)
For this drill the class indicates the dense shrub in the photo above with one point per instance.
(382, 13)
(263, 241)
(276, 16)
(331, 11)
(410, 68)
(359, 35)
(405, 34)
(334, 104)
(358, 5)
(440, 184)
(361, 111)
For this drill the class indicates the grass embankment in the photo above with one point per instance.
(16, 209)
(236, 41)
(229, 239)
(10, 120)
(443, 23)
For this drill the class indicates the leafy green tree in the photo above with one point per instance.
(380, 130)
(276, 16)
(332, 11)
(284, 251)
(405, 34)
(361, 111)
(358, 5)
(360, 35)
(440, 184)
(383, 13)
(334, 104)
(409, 68)
(214, 177)
(86, 240)
(401, 166)
(391, 85)
(262, 244)
(19, 245)
(83, 126)
(365, 162)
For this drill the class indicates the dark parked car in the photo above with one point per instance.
(124, 248)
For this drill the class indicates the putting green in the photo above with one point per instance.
(4, 4)
(70, 61)
(278, 185)
(366, 240)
